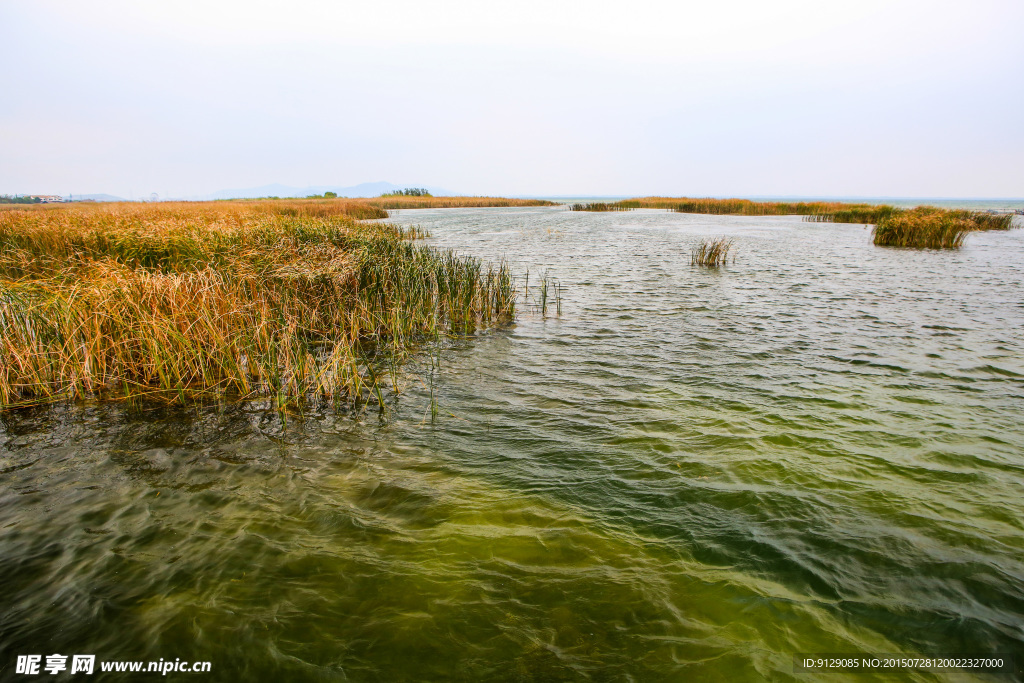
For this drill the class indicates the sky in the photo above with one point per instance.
(543, 98)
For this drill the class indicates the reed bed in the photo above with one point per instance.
(599, 206)
(711, 253)
(924, 227)
(921, 230)
(985, 221)
(295, 301)
(413, 202)
(931, 228)
(735, 207)
(377, 207)
(855, 214)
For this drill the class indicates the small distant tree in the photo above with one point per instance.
(409, 192)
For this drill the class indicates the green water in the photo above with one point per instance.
(689, 475)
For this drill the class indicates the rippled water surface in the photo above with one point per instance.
(688, 475)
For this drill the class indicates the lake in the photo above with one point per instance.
(687, 473)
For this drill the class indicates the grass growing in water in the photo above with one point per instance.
(921, 228)
(854, 214)
(599, 206)
(922, 215)
(922, 231)
(413, 202)
(924, 227)
(931, 228)
(733, 207)
(179, 301)
(711, 253)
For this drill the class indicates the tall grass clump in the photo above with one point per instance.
(293, 301)
(922, 229)
(731, 207)
(377, 207)
(853, 214)
(711, 253)
(926, 227)
(983, 220)
(599, 206)
(429, 202)
(925, 218)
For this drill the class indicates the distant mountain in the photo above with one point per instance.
(361, 190)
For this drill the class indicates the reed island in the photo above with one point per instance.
(923, 227)
(287, 300)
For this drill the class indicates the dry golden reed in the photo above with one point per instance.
(292, 300)
(930, 228)
(924, 227)
(711, 253)
(736, 207)
(401, 202)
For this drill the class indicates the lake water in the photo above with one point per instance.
(688, 475)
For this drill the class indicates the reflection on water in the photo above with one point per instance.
(689, 473)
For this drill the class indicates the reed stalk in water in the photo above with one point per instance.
(931, 228)
(412, 202)
(287, 300)
(599, 206)
(736, 207)
(922, 230)
(711, 253)
(922, 227)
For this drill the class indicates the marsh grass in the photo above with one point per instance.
(413, 202)
(855, 214)
(925, 228)
(294, 301)
(732, 207)
(550, 293)
(983, 221)
(711, 253)
(924, 224)
(599, 206)
(921, 228)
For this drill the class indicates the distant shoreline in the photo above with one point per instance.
(900, 202)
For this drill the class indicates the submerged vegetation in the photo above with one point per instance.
(711, 253)
(291, 300)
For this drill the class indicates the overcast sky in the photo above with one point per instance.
(717, 98)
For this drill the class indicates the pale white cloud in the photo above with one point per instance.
(868, 98)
